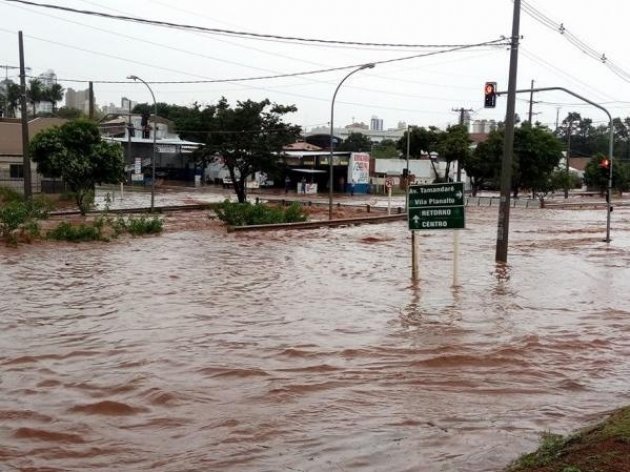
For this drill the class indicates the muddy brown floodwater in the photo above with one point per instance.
(311, 351)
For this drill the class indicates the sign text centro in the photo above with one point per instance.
(436, 206)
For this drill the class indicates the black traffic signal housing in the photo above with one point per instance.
(604, 163)
(490, 94)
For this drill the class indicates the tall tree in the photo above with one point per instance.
(76, 153)
(13, 98)
(454, 145)
(53, 94)
(537, 152)
(249, 138)
(386, 149)
(421, 141)
(483, 165)
(356, 142)
(35, 93)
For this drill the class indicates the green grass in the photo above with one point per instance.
(603, 447)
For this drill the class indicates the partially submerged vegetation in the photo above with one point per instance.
(106, 228)
(604, 447)
(20, 221)
(19, 218)
(246, 214)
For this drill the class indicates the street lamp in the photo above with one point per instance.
(332, 116)
(407, 171)
(134, 77)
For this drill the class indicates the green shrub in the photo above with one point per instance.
(105, 228)
(18, 217)
(65, 231)
(294, 214)
(8, 195)
(144, 225)
(245, 214)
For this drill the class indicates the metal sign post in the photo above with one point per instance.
(436, 206)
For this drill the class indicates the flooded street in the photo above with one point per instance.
(311, 350)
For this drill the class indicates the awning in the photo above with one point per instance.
(309, 171)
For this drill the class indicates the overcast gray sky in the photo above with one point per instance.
(420, 91)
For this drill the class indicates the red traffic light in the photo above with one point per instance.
(604, 164)
(490, 93)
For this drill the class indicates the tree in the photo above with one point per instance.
(483, 165)
(35, 93)
(249, 138)
(76, 153)
(70, 113)
(537, 152)
(421, 141)
(596, 174)
(386, 149)
(356, 142)
(9, 98)
(454, 145)
(53, 94)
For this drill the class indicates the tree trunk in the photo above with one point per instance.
(239, 188)
(435, 171)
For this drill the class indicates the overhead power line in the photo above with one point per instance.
(220, 31)
(574, 40)
(501, 41)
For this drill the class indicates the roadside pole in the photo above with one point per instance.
(414, 258)
(434, 207)
(456, 258)
(503, 225)
(388, 186)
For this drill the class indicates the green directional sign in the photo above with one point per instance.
(437, 206)
(437, 218)
(451, 194)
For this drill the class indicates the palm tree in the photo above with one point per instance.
(53, 94)
(35, 93)
(12, 98)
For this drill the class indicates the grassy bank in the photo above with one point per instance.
(604, 447)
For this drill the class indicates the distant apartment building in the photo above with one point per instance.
(78, 100)
(375, 135)
(376, 124)
(125, 108)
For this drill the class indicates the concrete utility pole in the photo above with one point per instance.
(503, 226)
(26, 159)
(462, 121)
(531, 102)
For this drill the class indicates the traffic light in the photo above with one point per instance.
(604, 164)
(490, 92)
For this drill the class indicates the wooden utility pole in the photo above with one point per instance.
(26, 159)
(91, 100)
(503, 225)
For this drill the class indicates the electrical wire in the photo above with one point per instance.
(220, 31)
(276, 76)
(574, 40)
